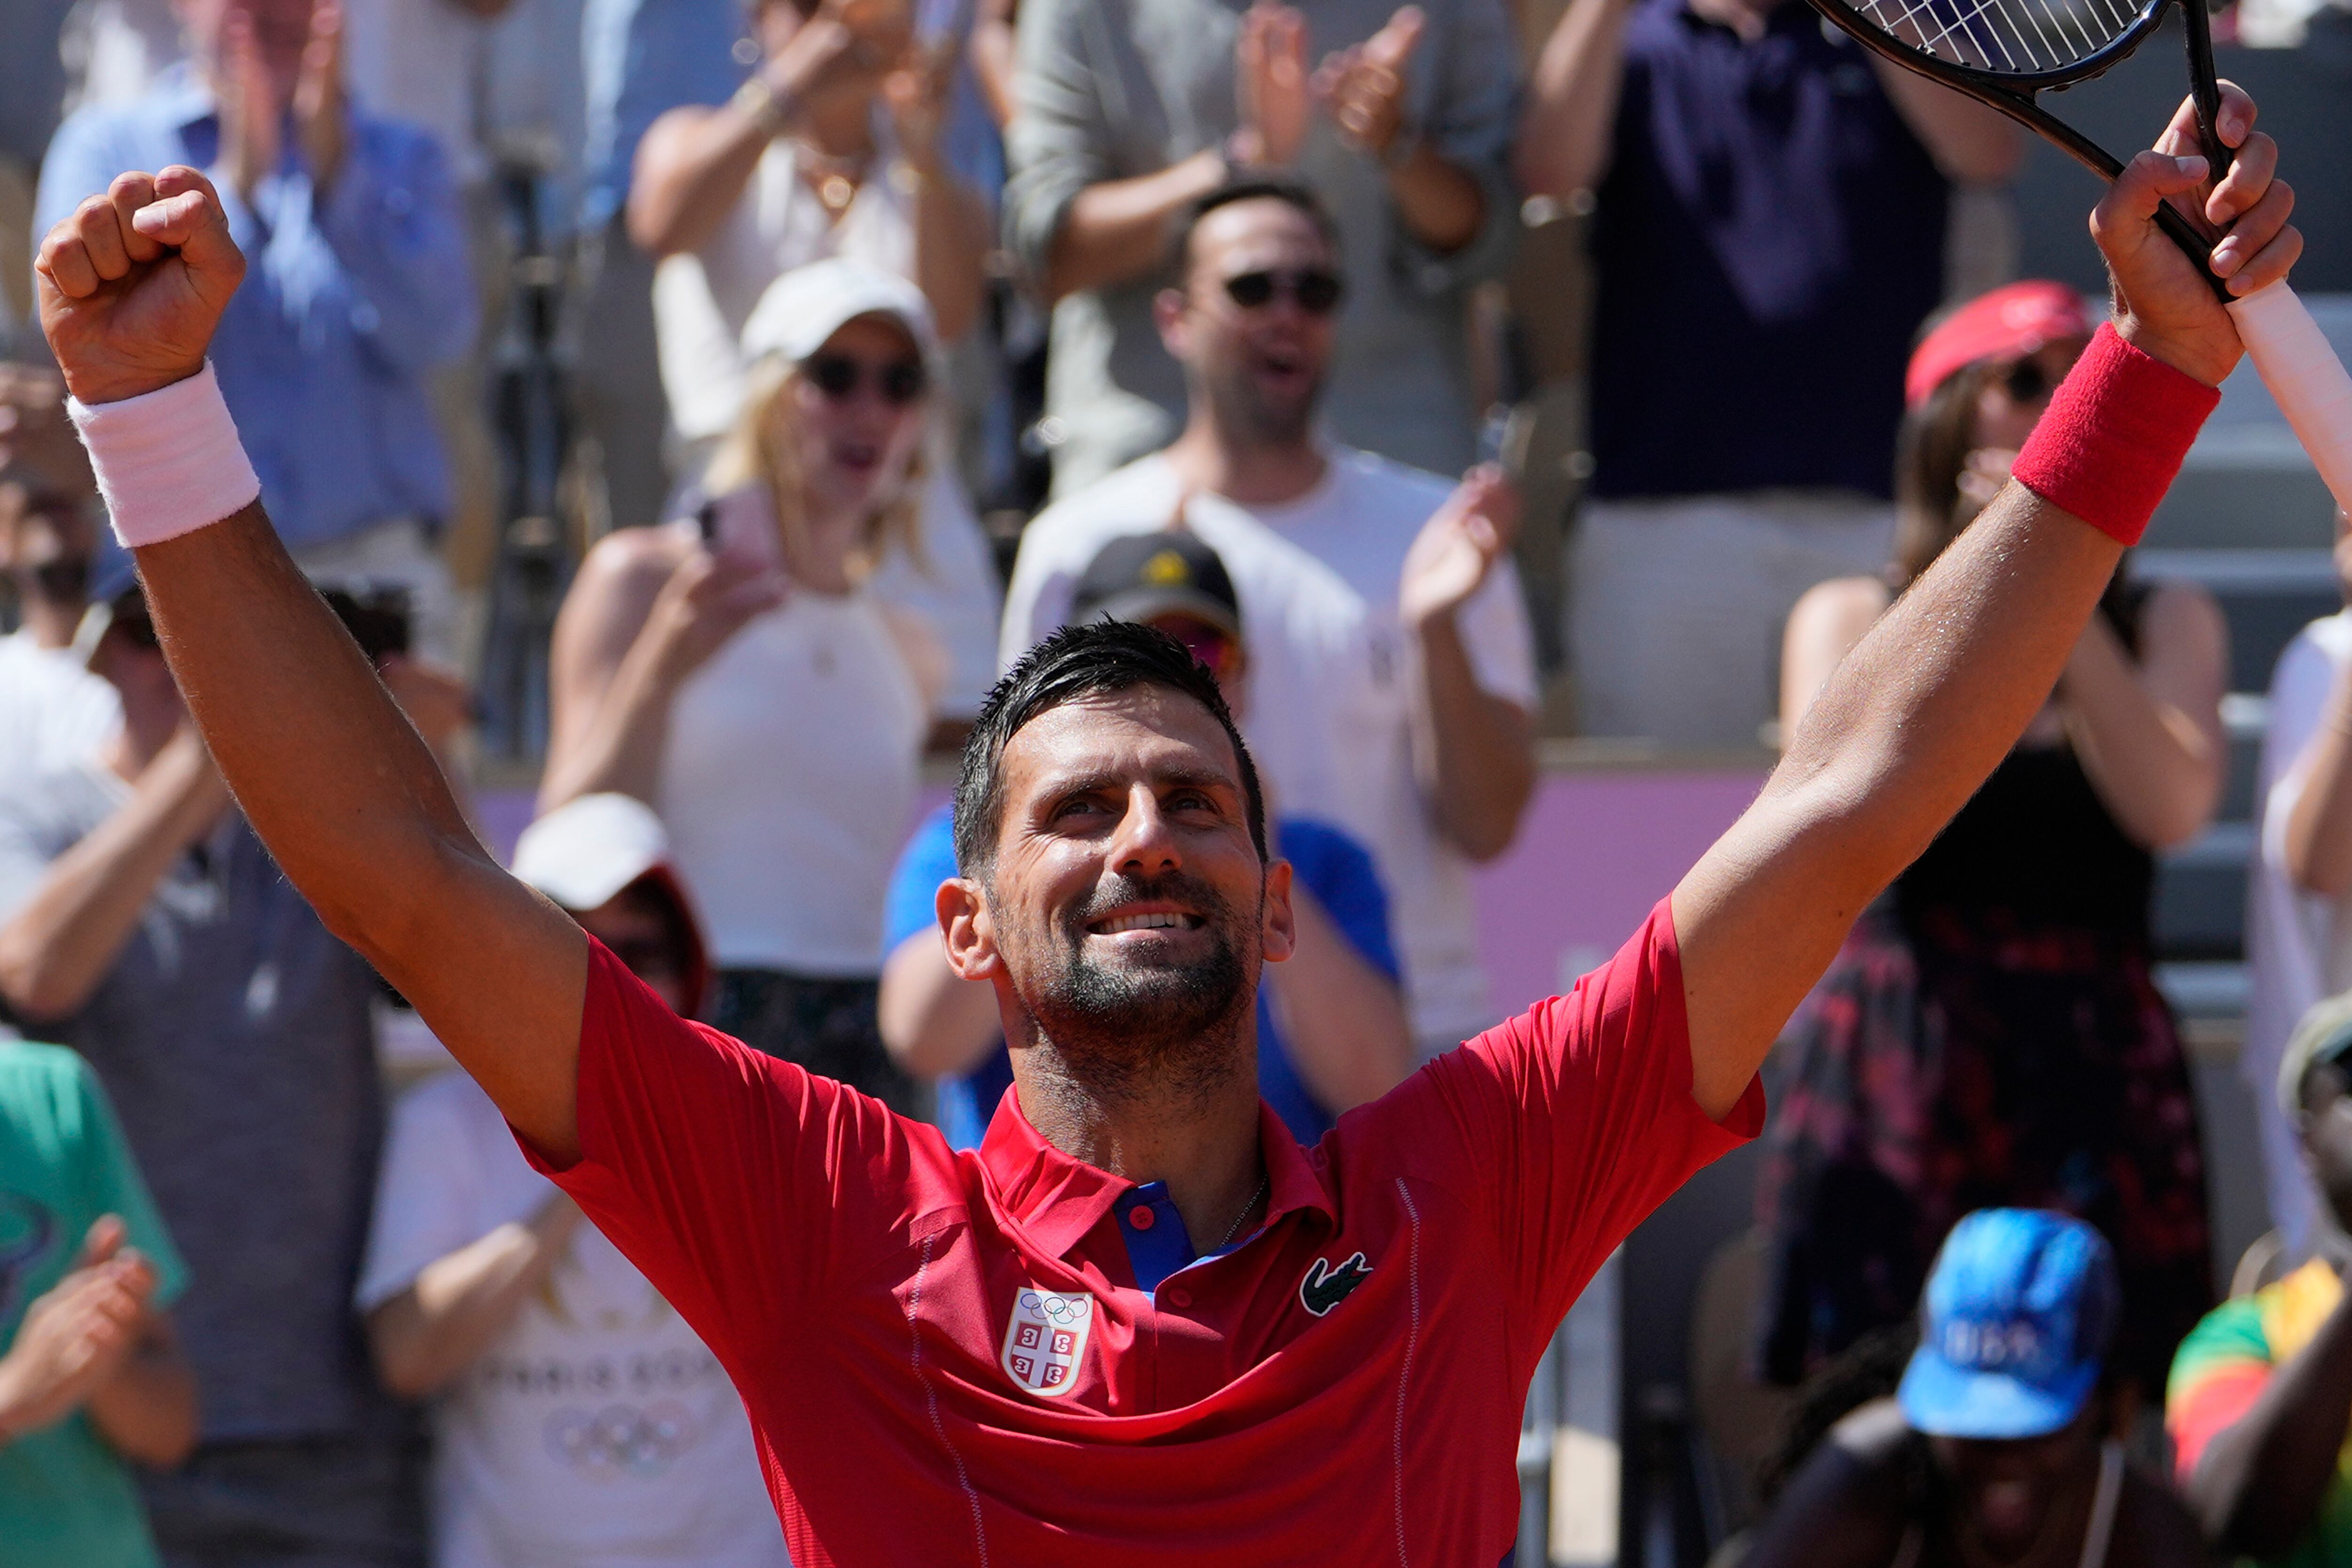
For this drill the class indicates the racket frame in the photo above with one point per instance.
(2015, 95)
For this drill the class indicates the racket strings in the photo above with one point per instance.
(2012, 37)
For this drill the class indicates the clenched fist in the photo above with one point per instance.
(132, 284)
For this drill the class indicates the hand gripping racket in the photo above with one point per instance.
(2003, 52)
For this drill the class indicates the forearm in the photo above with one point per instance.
(460, 1303)
(933, 1021)
(951, 243)
(2156, 770)
(1906, 729)
(619, 748)
(356, 812)
(58, 948)
(2319, 823)
(2260, 1483)
(1343, 1021)
(147, 1410)
(691, 171)
(1571, 109)
(995, 62)
(1479, 762)
(327, 768)
(1437, 201)
(1118, 229)
(1972, 145)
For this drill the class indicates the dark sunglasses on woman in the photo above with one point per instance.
(1316, 290)
(838, 376)
(2027, 381)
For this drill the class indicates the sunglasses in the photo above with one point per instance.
(1209, 648)
(838, 376)
(2027, 381)
(1314, 289)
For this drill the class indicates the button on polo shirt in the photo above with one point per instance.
(959, 1357)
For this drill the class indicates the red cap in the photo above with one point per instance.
(2009, 323)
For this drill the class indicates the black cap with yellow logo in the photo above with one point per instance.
(1145, 576)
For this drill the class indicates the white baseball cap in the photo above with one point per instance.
(585, 852)
(807, 305)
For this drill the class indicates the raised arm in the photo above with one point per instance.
(2148, 728)
(1972, 145)
(339, 786)
(695, 160)
(646, 612)
(1942, 684)
(461, 1302)
(1566, 135)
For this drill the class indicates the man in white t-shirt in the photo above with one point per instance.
(1391, 688)
(2299, 902)
(577, 1419)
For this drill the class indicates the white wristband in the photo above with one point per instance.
(168, 461)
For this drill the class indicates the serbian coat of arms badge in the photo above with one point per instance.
(1045, 1340)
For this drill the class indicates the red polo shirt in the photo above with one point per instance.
(945, 1356)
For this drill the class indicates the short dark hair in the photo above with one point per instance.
(1075, 662)
(1293, 194)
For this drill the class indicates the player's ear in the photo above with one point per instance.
(968, 929)
(1279, 930)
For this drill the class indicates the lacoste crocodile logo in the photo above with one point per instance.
(1325, 1287)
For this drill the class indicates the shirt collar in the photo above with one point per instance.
(1058, 1198)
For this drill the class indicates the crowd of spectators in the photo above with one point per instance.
(1197, 284)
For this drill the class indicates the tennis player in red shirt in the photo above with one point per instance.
(1141, 1325)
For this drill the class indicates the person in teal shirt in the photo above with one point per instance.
(91, 1375)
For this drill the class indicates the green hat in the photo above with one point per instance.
(2322, 1035)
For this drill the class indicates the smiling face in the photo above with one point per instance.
(855, 443)
(1261, 369)
(1126, 909)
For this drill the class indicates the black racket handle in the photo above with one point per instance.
(2204, 90)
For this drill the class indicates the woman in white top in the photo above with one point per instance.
(831, 149)
(691, 662)
(801, 164)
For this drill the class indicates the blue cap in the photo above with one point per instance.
(2014, 1326)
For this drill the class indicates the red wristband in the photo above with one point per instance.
(2113, 437)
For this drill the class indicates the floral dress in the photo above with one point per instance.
(1989, 1035)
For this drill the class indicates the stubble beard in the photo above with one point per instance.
(1167, 1033)
(1252, 420)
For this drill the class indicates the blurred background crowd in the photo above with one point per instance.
(1520, 406)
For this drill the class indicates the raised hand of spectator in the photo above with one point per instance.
(322, 110)
(1363, 86)
(916, 94)
(76, 1337)
(251, 126)
(709, 598)
(1984, 473)
(35, 434)
(1458, 546)
(1277, 100)
(436, 701)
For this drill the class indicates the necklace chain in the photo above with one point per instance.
(1264, 1182)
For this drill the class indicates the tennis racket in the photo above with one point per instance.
(2003, 53)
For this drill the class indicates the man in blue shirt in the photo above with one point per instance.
(1331, 1026)
(1769, 231)
(357, 282)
